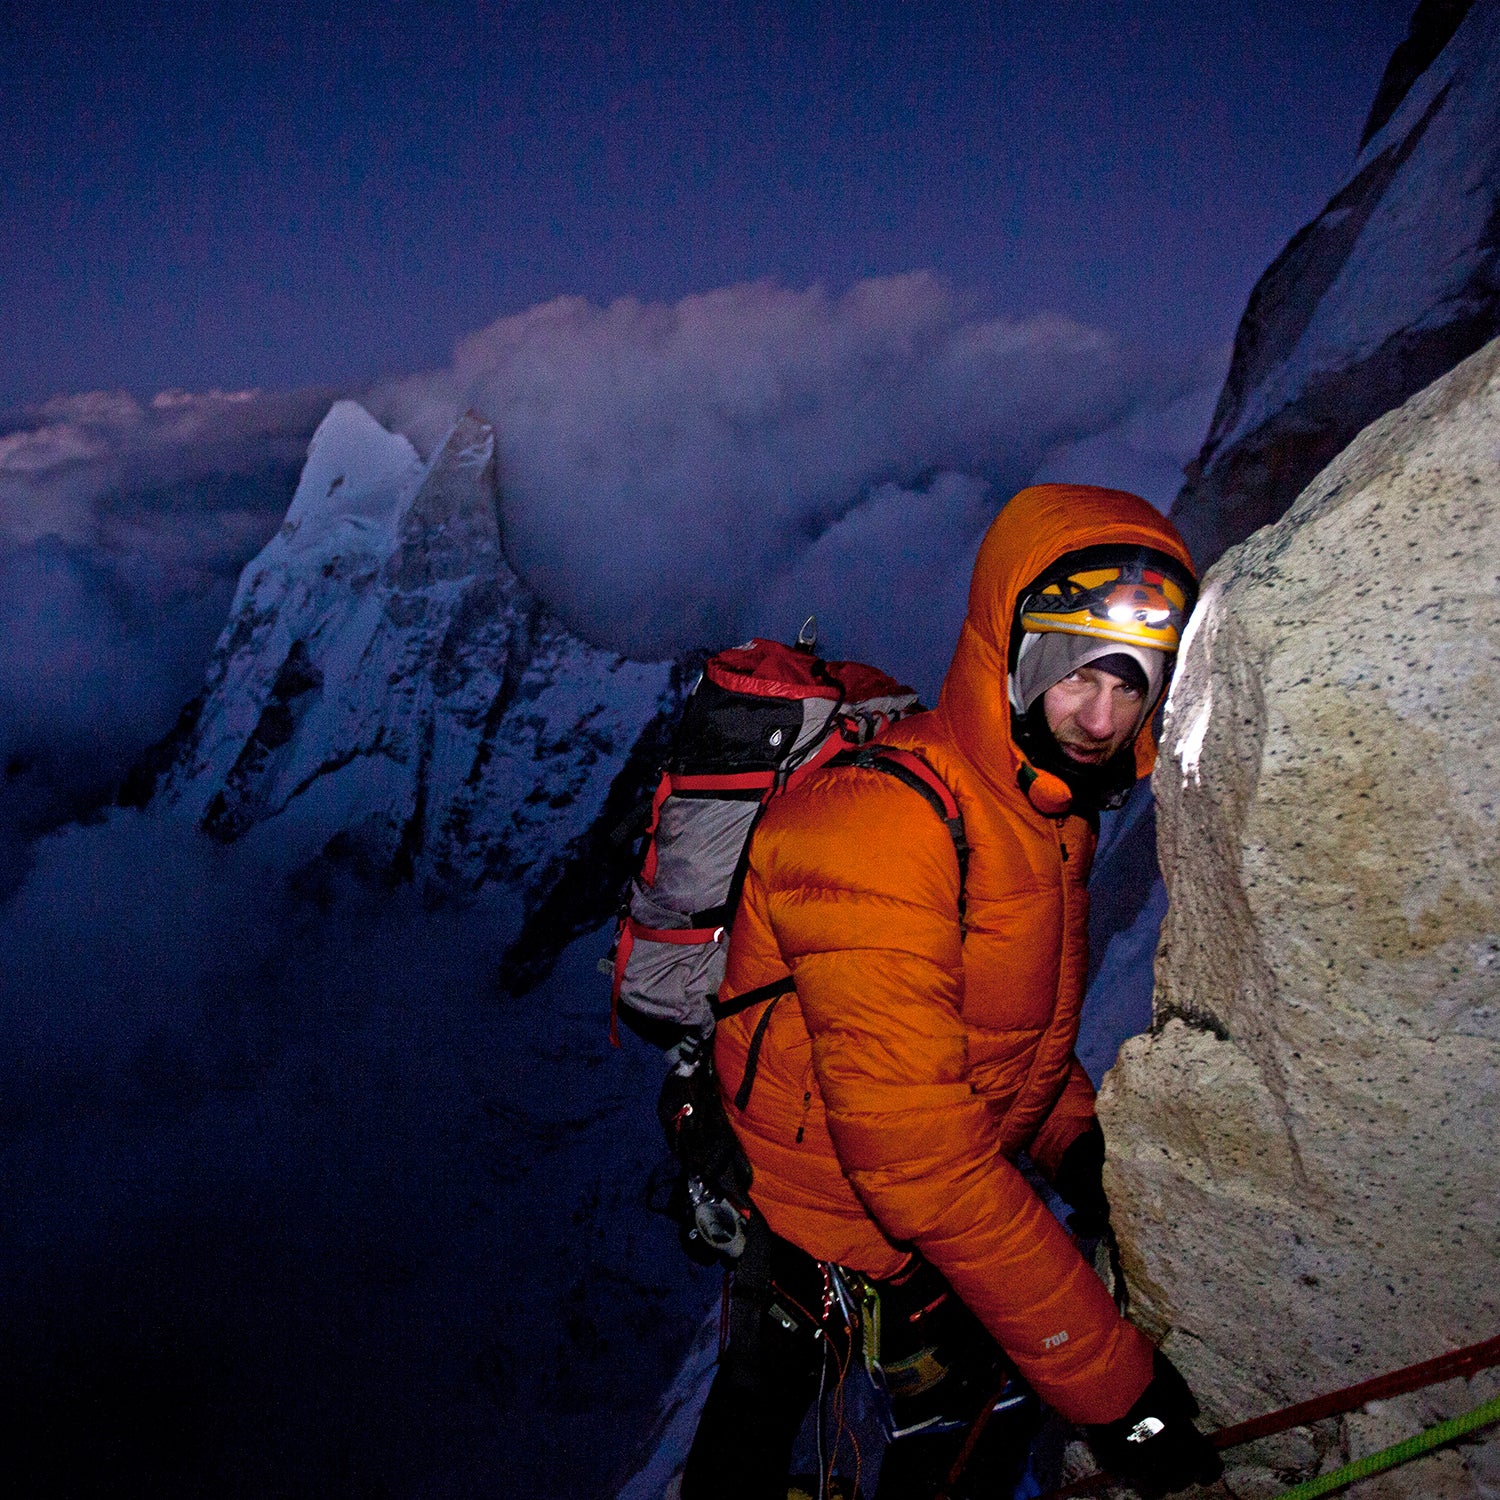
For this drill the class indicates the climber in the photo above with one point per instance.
(920, 1032)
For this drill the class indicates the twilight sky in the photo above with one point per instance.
(204, 195)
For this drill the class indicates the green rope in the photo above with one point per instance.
(1397, 1453)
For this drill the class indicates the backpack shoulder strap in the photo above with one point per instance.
(911, 769)
(908, 767)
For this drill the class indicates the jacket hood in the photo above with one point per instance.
(1040, 525)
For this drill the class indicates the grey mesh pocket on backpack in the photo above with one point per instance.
(699, 843)
(673, 981)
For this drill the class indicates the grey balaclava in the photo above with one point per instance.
(1047, 656)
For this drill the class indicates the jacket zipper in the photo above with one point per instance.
(806, 1106)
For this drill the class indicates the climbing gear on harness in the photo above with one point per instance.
(931, 1362)
(805, 1487)
(709, 1200)
(768, 1373)
(1456, 1364)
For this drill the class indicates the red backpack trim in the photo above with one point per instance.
(767, 669)
(629, 930)
(757, 782)
(860, 702)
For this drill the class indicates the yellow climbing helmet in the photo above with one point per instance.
(1141, 600)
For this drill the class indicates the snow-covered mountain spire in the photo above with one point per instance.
(388, 692)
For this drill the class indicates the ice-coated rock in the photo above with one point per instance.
(1388, 288)
(1305, 1152)
(387, 691)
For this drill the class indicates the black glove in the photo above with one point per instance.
(1155, 1447)
(1079, 1182)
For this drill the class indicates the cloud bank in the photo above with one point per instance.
(81, 468)
(673, 476)
(664, 466)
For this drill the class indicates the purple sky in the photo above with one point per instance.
(207, 195)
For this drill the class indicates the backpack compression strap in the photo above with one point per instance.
(907, 767)
(733, 1006)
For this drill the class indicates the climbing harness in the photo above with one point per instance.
(1459, 1363)
(930, 1363)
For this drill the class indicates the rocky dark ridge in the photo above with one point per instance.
(1395, 282)
(1431, 29)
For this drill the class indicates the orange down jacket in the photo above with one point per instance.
(898, 1082)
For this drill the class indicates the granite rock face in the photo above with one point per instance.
(1390, 287)
(1305, 1151)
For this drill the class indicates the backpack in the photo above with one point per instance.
(760, 718)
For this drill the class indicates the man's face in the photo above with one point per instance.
(1091, 714)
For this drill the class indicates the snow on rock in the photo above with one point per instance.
(1395, 281)
(664, 1454)
(1303, 1152)
(387, 692)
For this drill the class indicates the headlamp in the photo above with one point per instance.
(1133, 604)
